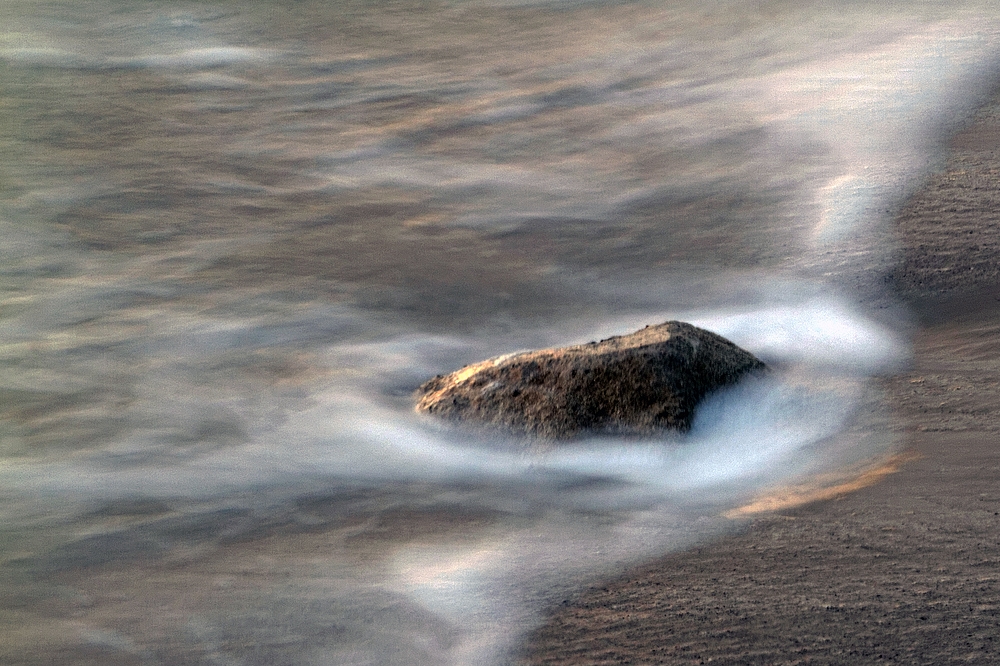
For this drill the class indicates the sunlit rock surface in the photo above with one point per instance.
(634, 384)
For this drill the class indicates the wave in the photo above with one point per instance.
(238, 240)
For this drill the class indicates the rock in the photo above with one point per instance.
(636, 384)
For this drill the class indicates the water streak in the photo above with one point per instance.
(236, 239)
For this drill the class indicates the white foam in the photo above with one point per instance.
(351, 431)
(822, 331)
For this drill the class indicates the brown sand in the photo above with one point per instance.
(906, 570)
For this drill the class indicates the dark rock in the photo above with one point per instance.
(636, 384)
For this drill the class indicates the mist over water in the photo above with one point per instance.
(234, 240)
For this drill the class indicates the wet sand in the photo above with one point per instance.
(906, 570)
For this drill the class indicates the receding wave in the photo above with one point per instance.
(236, 239)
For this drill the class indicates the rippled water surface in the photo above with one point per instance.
(234, 238)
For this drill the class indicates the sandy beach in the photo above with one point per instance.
(905, 570)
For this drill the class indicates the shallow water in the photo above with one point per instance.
(236, 239)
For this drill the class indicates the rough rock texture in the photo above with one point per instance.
(632, 384)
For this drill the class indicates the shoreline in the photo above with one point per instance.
(905, 569)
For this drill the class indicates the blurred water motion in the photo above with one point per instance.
(235, 237)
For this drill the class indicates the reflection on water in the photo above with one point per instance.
(235, 238)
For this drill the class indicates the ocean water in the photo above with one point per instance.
(235, 237)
